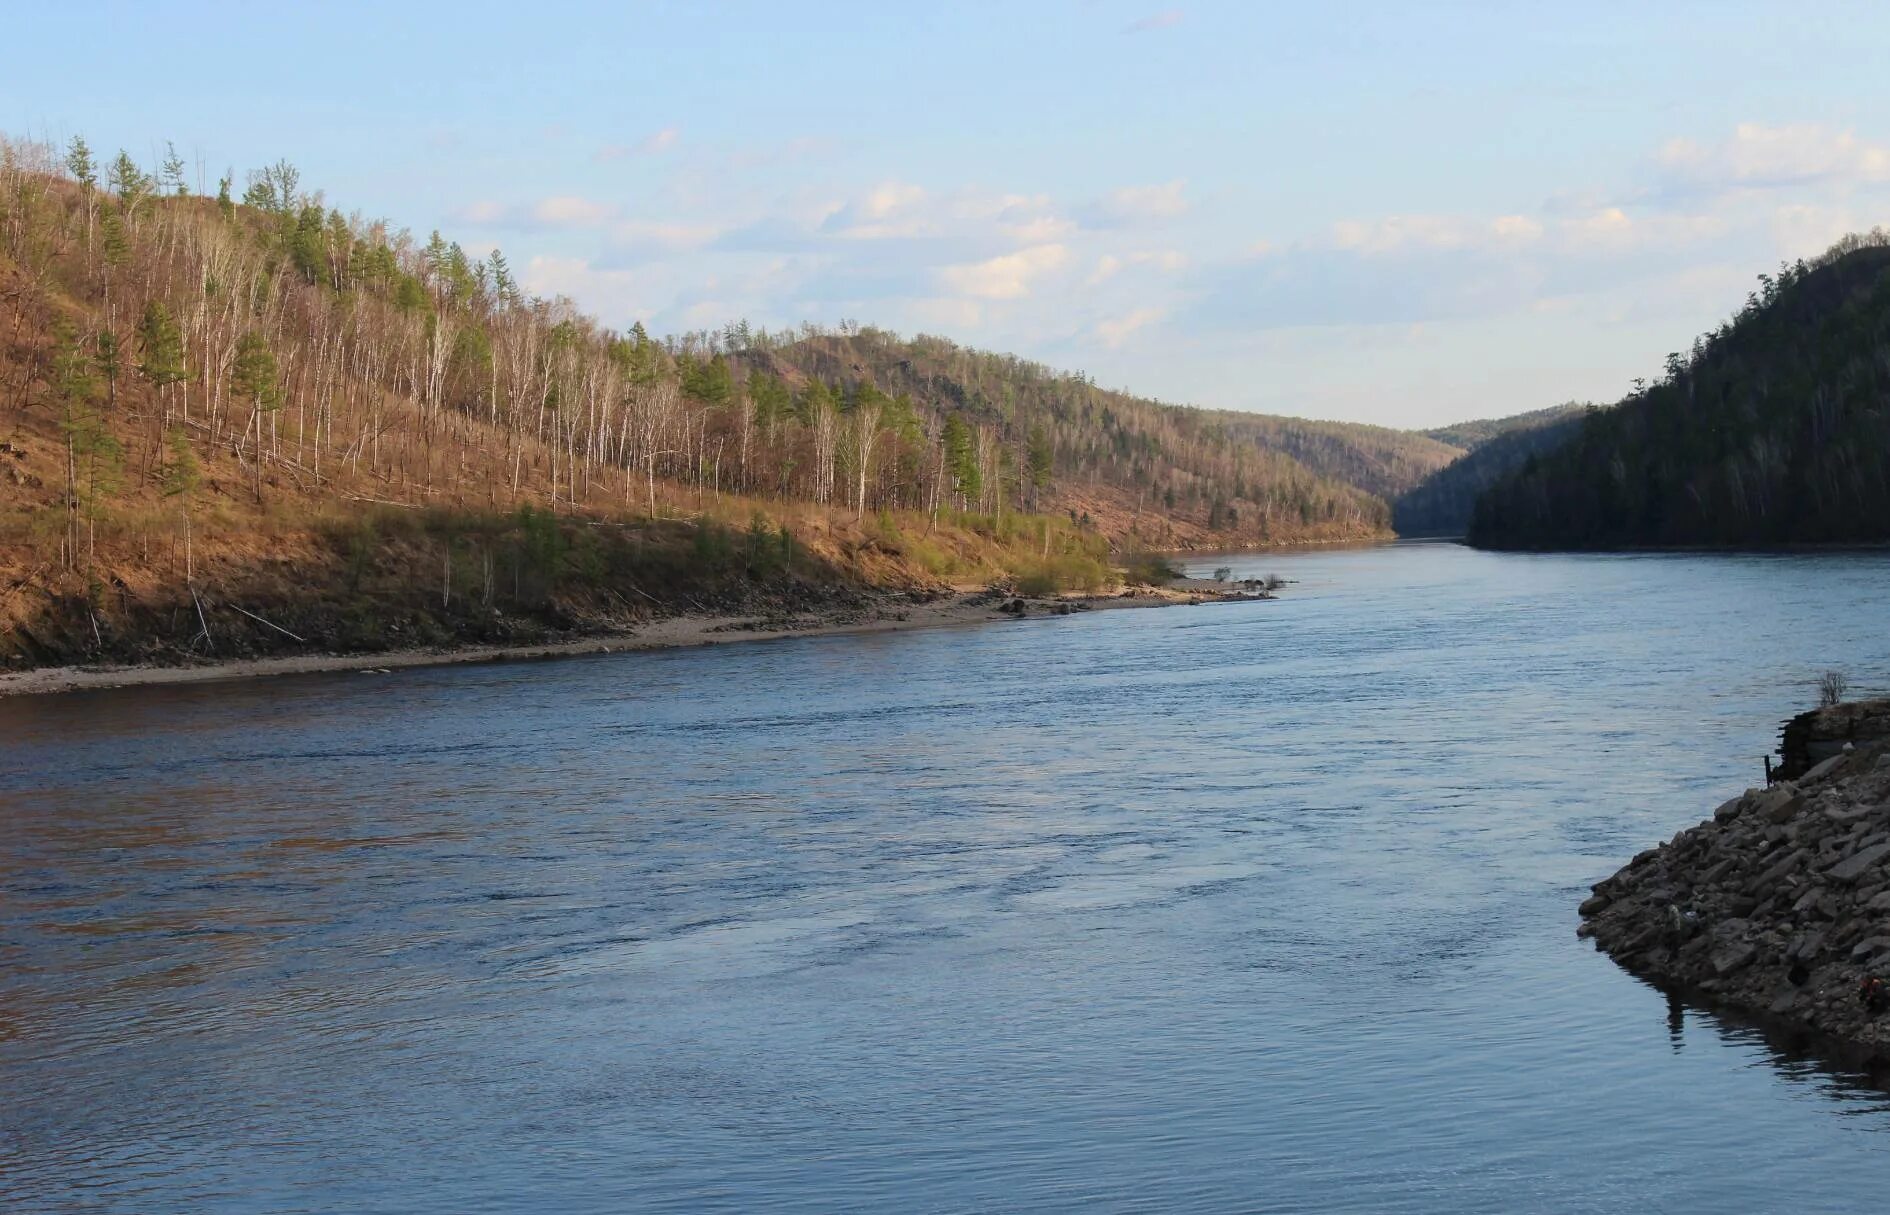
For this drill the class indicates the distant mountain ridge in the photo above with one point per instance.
(1442, 504)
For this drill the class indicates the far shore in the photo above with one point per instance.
(962, 607)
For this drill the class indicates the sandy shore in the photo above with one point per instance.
(961, 608)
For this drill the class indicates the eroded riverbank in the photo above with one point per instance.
(887, 614)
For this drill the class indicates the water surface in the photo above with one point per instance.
(1261, 906)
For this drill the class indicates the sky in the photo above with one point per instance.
(1397, 213)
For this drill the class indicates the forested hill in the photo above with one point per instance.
(1376, 459)
(1477, 432)
(1013, 430)
(250, 416)
(1775, 428)
(1441, 505)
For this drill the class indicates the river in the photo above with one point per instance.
(1260, 906)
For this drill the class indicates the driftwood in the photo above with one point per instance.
(259, 620)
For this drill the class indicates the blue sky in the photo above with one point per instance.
(1396, 213)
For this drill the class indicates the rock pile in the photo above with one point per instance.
(1780, 904)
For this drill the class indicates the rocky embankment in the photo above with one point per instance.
(1779, 904)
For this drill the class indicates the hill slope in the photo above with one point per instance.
(1377, 459)
(1776, 429)
(251, 423)
(1441, 505)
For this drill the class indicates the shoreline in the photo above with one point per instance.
(1774, 907)
(673, 632)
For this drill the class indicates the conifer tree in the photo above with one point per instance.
(160, 350)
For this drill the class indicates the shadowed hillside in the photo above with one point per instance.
(1775, 428)
(1441, 505)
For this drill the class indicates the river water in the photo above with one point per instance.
(1263, 906)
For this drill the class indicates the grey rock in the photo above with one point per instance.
(1770, 879)
(1776, 804)
(1859, 863)
(1821, 770)
(1733, 957)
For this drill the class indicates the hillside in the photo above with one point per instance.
(1441, 504)
(1774, 429)
(251, 423)
(1376, 459)
(1476, 432)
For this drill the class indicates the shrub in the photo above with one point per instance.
(1149, 569)
(1831, 688)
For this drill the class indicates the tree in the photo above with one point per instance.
(1038, 460)
(160, 350)
(171, 172)
(256, 379)
(79, 163)
(94, 458)
(131, 184)
(226, 206)
(961, 461)
(869, 404)
(179, 481)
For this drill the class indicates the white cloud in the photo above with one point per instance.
(484, 211)
(1116, 330)
(1399, 232)
(1142, 204)
(571, 211)
(1763, 157)
(665, 234)
(1007, 277)
(653, 144)
(1107, 267)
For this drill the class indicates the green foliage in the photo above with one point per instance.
(160, 347)
(171, 172)
(181, 475)
(114, 244)
(132, 185)
(254, 377)
(79, 163)
(226, 206)
(961, 459)
(1039, 459)
(1059, 574)
(1142, 568)
(707, 381)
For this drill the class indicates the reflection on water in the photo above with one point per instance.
(1261, 906)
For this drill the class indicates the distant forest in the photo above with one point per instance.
(1442, 504)
(1774, 428)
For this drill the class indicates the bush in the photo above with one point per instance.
(1831, 688)
(1149, 569)
(1069, 572)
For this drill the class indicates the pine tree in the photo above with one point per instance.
(961, 461)
(130, 183)
(226, 206)
(1039, 459)
(160, 349)
(255, 378)
(172, 171)
(79, 162)
(180, 479)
